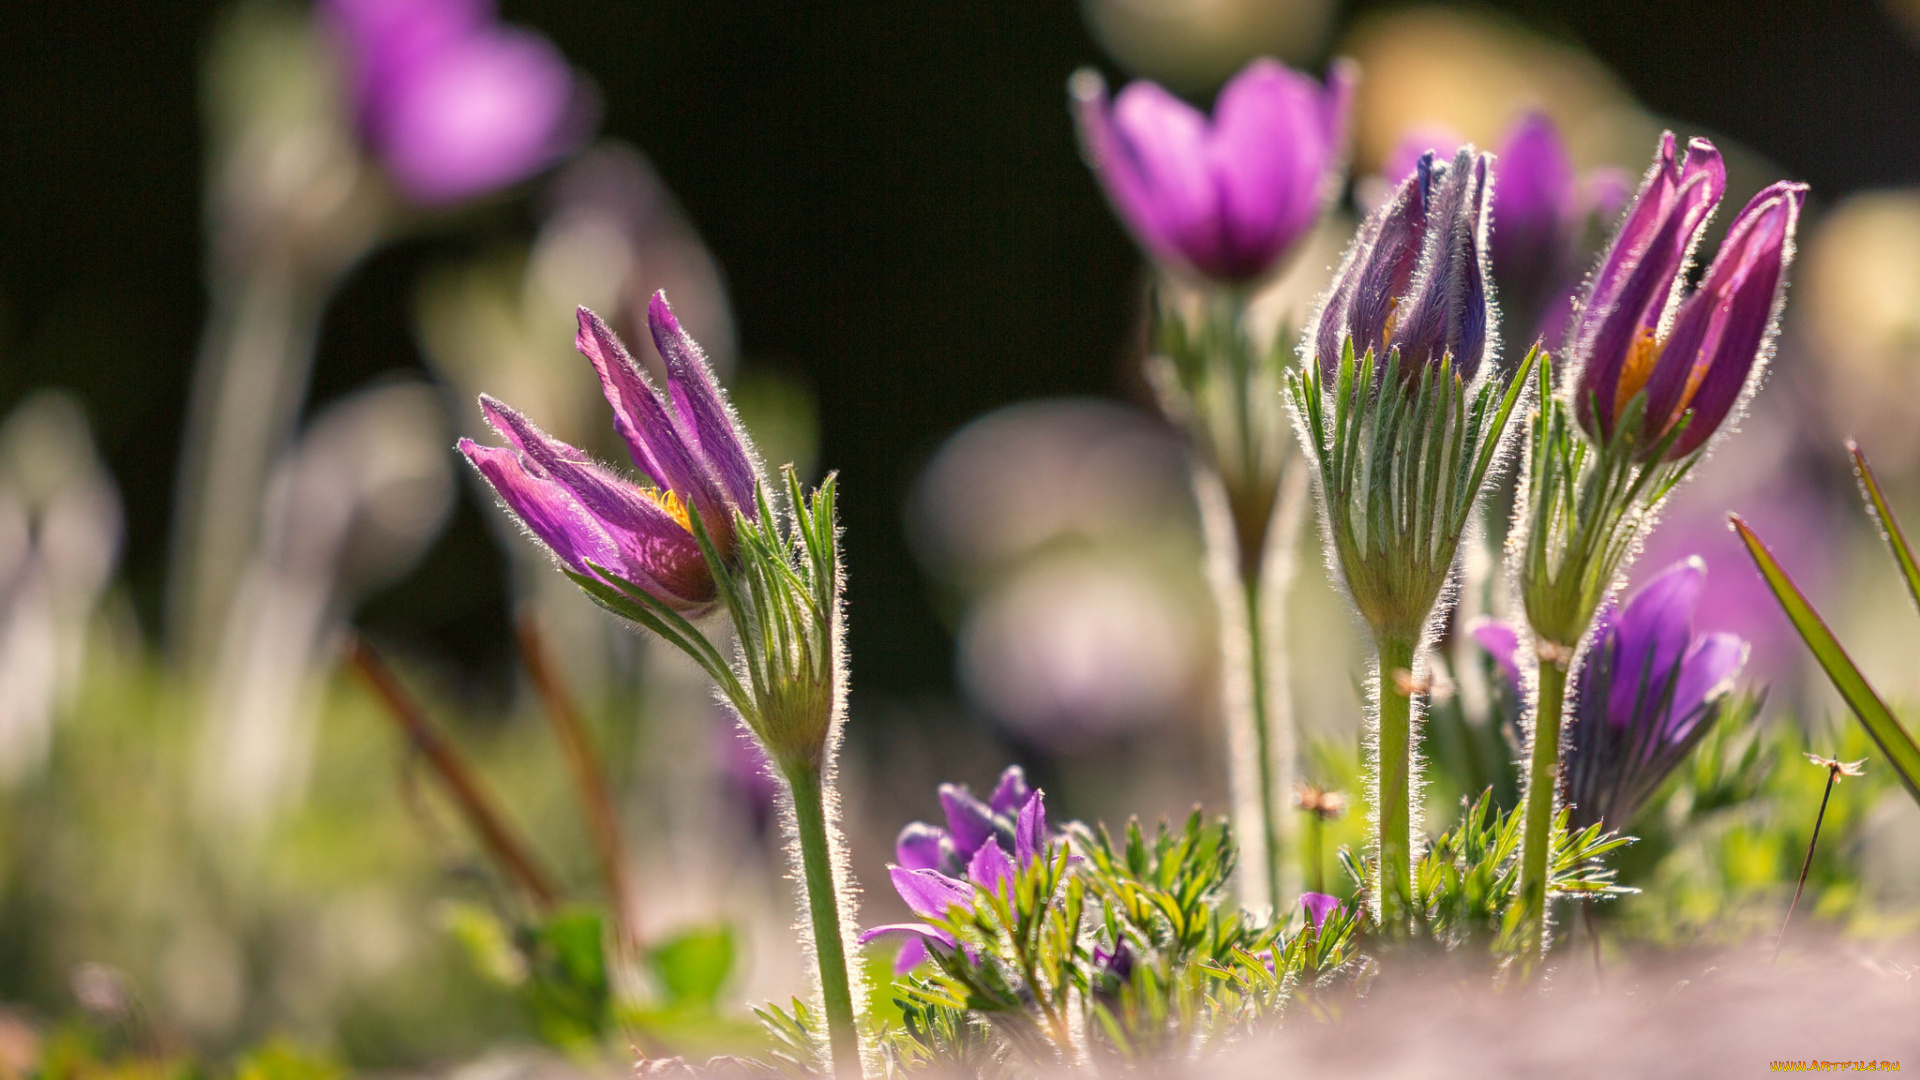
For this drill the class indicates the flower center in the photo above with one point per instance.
(671, 502)
(1638, 368)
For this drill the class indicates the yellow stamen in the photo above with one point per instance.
(671, 502)
(1638, 368)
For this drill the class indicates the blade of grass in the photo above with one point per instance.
(1894, 741)
(1889, 528)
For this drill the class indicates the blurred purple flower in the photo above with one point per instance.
(745, 769)
(1715, 336)
(1415, 280)
(686, 442)
(455, 104)
(938, 869)
(1225, 198)
(1319, 906)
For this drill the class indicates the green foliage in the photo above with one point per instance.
(1034, 984)
(1897, 746)
(692, 966)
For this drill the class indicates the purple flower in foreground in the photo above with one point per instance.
(695, 458)
(1319, 907)
(1224, 198)
(455, 103)
(1649, 691)
(1415, 280)
(940, 869)
(1637, 333)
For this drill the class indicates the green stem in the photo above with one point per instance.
(1543, 780)
(1394, 767)
(1263, 738)
(823, 906)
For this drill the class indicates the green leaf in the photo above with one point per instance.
(1894, 741)
(569, 993)
(1889, 528)
(693, 965)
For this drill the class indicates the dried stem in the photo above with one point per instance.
(1833, 775)
(475, 805)
(591, 783)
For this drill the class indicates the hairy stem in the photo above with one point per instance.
(1543, 781)
(1393, 769)
(823, 907)
(1263, 740)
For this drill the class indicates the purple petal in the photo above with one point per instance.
(990, 868)
(1385, 264)
(1708, 670)
(1630, 291)
(1436, 139)
(1721, 331)
(1447, 315)
(638, 415)
(547, 508)
(386, 39)
(649, 538)
(969, 821)
(921, 847)
(1502, 642)
(477, 115)
(1319, 906)
(706, 421)
(1011, 793)
(1114, 163)
(1030, 832)
(1165, 141)
(1648, 638)
(1270, 151)
(929, 893)
(913, 945)
(1533, 200)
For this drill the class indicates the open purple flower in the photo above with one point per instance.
(695, 458)
(1649, 691)
(1639, 331)
(1225, 198)
(940, 869)
(455, 103)
(1415, 281)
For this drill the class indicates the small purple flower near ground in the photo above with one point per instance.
(695, 458)
(455, 103)
(1649, 691)
(1224, 198)
(938, 869)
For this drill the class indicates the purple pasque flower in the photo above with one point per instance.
(455, 103)
(695, 457)
(1224, 198)
(1648, 692)
(1638, 330)
(1415, 281)
(1543, 217)
(1319, 907)
(939, 869)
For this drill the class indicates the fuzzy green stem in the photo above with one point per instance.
(1543, 780)
(823, 906)
(1263, 736)
(1394, 770)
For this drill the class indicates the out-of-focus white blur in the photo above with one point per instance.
(352, 507)
(1197, 44)
(1066, 532)
(60, 532)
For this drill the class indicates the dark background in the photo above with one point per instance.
(892, 188)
